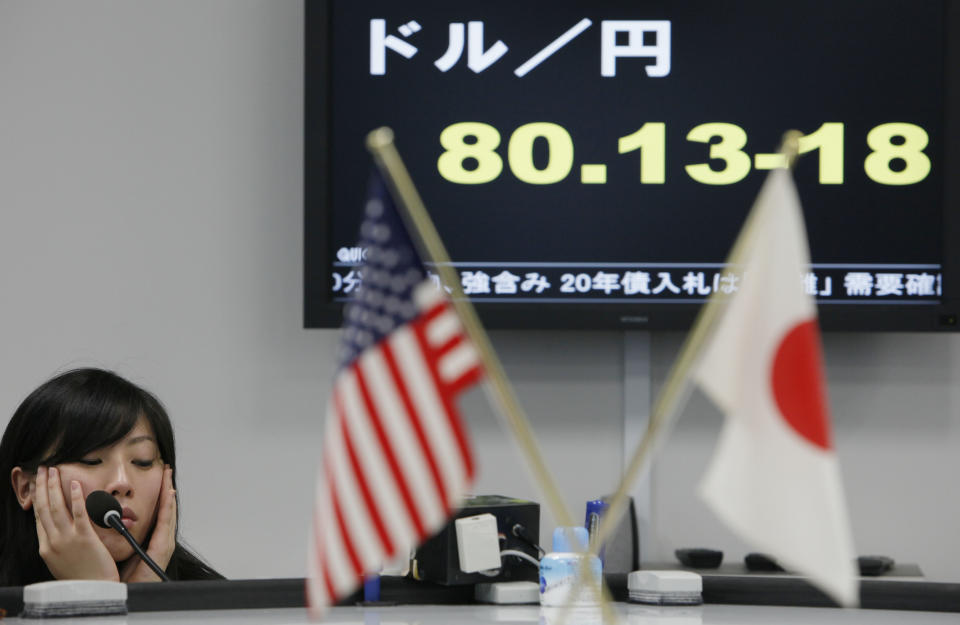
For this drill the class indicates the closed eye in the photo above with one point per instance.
(90, 461)
(144, 464)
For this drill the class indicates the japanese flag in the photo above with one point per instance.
(774, 478)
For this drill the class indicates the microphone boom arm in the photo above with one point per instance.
(104, 510)
(112, 518)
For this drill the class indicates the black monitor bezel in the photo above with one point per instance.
(321, 311)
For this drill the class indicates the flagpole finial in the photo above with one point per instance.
(790, 146)
(379, 138)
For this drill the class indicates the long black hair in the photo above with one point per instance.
(64, 419)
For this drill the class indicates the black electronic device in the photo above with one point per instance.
(518, 525)
(621, 552)
(761, 562)
(872, 566)
(588, 165)
(699, 558)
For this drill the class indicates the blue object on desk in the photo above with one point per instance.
(371, 587)
(595, 511)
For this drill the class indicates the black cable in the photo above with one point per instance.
(520, 532)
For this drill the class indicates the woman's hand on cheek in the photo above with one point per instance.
(68, 545)
(164, 537)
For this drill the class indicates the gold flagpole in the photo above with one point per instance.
(677, 388)
(380, 143)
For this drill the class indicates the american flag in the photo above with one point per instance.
(396, 461)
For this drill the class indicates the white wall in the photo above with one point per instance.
(151, 222)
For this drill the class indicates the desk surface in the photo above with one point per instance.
(630, 614)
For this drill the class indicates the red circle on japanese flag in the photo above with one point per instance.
(798, 386)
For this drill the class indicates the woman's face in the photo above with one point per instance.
(132, 471)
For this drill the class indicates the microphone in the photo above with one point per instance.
(105, 511)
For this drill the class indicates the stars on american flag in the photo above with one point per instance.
(392, 270)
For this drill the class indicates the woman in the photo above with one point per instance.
(82, 431)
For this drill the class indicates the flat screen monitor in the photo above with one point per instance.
(588, 165)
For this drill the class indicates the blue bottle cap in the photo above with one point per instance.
(595, 509)
(561, 539)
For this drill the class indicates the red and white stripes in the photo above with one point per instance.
(396, 461)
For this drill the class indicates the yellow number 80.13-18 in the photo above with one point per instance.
(475, 143)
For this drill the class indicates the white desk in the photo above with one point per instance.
(630, 614)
